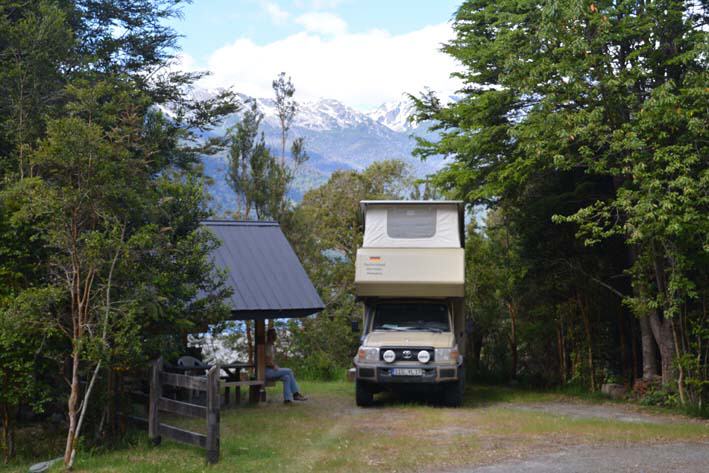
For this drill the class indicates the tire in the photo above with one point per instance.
(454, 392)
(363, 394)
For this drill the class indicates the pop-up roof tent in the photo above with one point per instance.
(412, 224)
(266, 277)
(411, 249)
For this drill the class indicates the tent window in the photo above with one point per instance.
(410, 222)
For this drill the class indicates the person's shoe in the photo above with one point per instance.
(287, 402)
(299, 397)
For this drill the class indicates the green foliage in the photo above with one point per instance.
(325, 231)
(591, 115)
(100, 193)
(258, 179)
(26, 336)
(660, 396)
(286, 107)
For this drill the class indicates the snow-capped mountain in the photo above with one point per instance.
(336, 137)
(394, 115)
(320, 115)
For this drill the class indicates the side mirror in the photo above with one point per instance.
(355, 326)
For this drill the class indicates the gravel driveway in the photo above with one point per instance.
(655, 458)
(647, 457)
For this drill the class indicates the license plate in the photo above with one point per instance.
(406, 372)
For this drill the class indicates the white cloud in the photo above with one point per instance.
(360, 69)
(276, 13)
(323, 23)
(317, 4)
(183, 62)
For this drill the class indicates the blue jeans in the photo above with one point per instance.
(286, 375)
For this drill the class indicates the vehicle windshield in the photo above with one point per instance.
(411, 316)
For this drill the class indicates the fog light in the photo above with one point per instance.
(424, 356)
(389, 356)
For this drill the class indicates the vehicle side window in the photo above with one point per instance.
(411, 222)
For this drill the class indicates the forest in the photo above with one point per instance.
(578, 142)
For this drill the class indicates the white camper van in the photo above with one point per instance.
(410, 274)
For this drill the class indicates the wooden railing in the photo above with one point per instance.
(209, 412)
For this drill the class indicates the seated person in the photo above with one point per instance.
(291, 391)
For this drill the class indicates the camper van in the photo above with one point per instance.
(410, 275)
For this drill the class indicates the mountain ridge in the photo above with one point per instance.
(337, 137)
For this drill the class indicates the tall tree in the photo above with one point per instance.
(286, 108)
(102, 184)
(258, 179)
(605, 96)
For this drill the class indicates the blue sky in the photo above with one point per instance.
(362, 52)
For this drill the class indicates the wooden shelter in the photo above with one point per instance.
(267, 279)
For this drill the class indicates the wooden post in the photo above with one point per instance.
(155, 393)
(213, 399)
(260, 348)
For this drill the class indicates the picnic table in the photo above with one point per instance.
(230, 377)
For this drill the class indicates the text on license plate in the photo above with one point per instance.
(406, 372)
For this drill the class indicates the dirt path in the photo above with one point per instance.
(610, 411)
(656, 458)
(499, 431)
(645, 455)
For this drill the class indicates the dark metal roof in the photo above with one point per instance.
(263, 270)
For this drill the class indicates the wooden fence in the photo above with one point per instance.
(209, 411)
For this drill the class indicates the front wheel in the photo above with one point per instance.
(364, 395)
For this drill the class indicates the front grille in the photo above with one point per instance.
(401, 353)
(447, 373)
(366, 372)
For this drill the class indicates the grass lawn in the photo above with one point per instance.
(328, 433)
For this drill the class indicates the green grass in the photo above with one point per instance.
(328, 433)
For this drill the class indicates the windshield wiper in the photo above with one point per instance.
(409, 329)
(392, 327)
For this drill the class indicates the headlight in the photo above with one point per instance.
(368, 354)
(389, 356)
(424, 356)
(447, 354)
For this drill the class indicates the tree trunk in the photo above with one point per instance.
(649, 349)
(512, 308)
(680, 368)
(589, 340)
(661, 326)
(662, 331)
(8, 434)
(634, 349)
(476, 344)
(561, 353)
(72, 406)
(622, 342)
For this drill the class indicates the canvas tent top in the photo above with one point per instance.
(264, 272)
(413, 223)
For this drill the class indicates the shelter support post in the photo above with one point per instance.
(260, 349)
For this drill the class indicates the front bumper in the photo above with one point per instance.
(382, 374)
